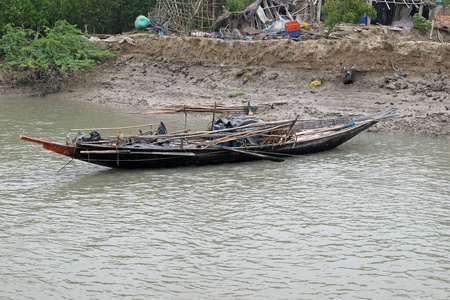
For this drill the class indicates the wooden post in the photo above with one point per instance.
(214, 116)
(368, 18)
(319, 10)
(432, 26)
(185, 117)
(421, 9)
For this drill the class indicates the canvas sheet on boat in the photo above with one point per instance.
(238, 120)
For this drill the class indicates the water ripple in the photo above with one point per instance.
(367, 220)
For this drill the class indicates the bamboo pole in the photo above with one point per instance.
(215, 132)
(213, 116)
(118, 128)
(246, 134)
(185, 117)
(196, 109)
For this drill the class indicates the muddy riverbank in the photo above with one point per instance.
(276, 75)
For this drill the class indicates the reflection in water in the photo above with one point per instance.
(366, 220)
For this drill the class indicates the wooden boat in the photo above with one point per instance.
(255, 140)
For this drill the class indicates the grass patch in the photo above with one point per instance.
(236, 95)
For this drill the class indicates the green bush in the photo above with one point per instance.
(237, 5)
(349, 11)
(56, 54)
(96, 16)
(421, 23)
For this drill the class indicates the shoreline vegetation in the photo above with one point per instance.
(49, 59)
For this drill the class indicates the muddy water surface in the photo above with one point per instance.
(367, 220)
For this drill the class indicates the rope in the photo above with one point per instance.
(65, 165)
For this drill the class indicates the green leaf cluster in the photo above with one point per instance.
(93, 16)
(348, 11)
(237, 5)
(421, 23)
(60, 50)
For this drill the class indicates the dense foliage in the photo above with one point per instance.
(421, 23)
(348, 11)
(50, 57)
(237, 5)
(93, 16)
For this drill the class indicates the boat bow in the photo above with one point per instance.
(55, 147)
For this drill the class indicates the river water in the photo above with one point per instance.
(368, 220)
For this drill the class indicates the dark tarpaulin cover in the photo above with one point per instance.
(237, 120)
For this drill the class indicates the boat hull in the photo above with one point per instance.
(145, 158)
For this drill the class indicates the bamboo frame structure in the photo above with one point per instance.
(186, 15)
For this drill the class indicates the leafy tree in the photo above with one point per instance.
(106, 16)
(52, 58)
(24, 13)
(349, 11)
(93, 16)
(421, 23)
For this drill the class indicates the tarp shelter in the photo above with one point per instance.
(389, 11)
(262, 13)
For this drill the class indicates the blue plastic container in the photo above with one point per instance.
(216, 127)
(363, 20)
(293, 33)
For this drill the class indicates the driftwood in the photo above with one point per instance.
(259, 15)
